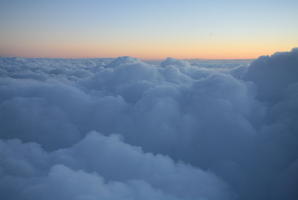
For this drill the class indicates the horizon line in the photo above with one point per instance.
(141, 58)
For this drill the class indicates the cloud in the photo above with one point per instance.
(273, 74)
(185, 129)
(100, 167)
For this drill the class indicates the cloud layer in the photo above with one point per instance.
(126, 129)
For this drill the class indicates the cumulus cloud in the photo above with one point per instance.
(185, 129)
(100, 167)
(273, 74)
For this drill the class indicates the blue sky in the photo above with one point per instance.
(147, 29)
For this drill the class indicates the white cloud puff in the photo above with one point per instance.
(100, 167)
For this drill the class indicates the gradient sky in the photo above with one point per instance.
(149, 29)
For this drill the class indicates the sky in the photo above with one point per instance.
(155, 29)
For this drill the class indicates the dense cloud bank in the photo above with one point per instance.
(127, 129)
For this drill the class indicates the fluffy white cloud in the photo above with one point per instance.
(237, 121)
(100, 167)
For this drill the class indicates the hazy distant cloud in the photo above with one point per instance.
(185, 130)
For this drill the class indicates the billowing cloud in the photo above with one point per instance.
(100, 167)
(273, 74)
(184, 129)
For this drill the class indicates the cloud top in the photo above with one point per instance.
(126, 129)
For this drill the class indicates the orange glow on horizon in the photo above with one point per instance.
(145, 51)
